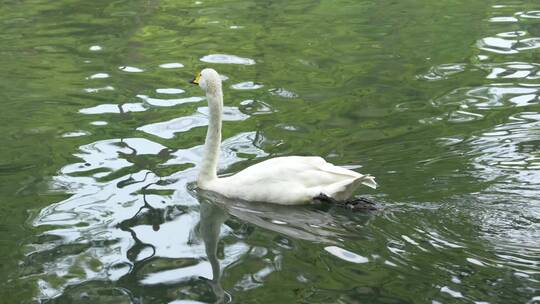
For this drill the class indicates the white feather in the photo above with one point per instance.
(287, 180)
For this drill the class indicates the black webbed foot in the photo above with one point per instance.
(325, 198)
(355, 204)
(361, 204)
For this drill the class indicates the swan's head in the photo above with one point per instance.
(208, 80)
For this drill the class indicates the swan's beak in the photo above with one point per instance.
(196, 79)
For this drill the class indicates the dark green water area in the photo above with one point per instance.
(101, 135)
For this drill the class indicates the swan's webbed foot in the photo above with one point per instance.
(361, 204)
(356, 204)
(325, 199)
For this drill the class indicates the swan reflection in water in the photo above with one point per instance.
(307, 223)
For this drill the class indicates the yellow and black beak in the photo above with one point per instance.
(196, 79)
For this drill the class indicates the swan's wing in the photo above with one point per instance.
(297, 172)
(335, 173)
(307, 170)
(330, 168)
(366, 180)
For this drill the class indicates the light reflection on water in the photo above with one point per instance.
(135, 230)
(506, 155)
(109, 192)
(168, 129)
(227, 59)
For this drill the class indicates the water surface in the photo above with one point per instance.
(102, 135)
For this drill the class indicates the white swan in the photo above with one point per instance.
(290, 180)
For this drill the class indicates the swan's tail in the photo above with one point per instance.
(369, 181)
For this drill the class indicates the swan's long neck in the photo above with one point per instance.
(208, 171)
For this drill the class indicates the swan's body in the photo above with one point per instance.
(290, 180)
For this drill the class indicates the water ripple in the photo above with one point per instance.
(508, 46)
(134, 228)
(168, 129)
(490, 97)
(130, 69)
(99, 123)
(99, 76)
(245, 143)
(346, 255)
(172, 65)
(255, 107)
(114, 223)
(158, 102)
(281, 92)
(512, 34)
(114, 108)
(248, 85)
(513, 70)
(168, 91)
(227, 59)
(530, 15)
(96, 90)
(503, 19)
(503, 156)
(443, 71)
(76, 133)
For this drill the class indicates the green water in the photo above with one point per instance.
(101, 135)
